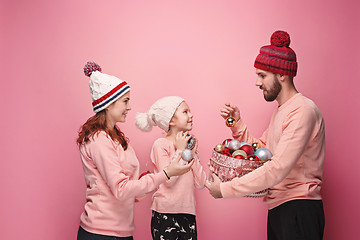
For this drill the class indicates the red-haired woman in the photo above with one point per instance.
(110, 165)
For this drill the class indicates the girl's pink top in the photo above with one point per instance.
(176, 195)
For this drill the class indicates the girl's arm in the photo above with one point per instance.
(197, 169)
(198, 172)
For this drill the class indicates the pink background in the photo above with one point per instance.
(200, 50)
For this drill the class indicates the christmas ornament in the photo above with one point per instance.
(227, 154)
(187, 155)
(248, 149)
(191, 143)
(226, 142)
(255, 146)
(234, 145)
(244, 143)
(253, 158)
(226, 151)
(219, 148)
(263, 154)
(239, 152)
(230, 122)
(239, 157)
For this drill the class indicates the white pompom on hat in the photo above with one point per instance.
(105, 89)
(159, 114)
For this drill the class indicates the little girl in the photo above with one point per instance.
(173, 204)
(110, 165)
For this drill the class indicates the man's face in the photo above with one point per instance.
(269, 83)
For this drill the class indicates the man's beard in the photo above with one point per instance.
(274, 91)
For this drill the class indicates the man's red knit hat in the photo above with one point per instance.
(277, 57)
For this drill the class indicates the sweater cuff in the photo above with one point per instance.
(239, 127)
(226, 190)
(160, 177)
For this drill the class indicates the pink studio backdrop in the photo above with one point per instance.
(200, 50)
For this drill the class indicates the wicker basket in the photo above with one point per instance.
(227, 168)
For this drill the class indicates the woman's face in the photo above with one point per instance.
(118, 110)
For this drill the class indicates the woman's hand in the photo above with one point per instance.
(176, 168)
(230, 111)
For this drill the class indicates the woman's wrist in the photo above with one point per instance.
(166, 174)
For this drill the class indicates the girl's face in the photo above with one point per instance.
(182, 119)
(118, 110)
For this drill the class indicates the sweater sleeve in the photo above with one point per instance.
(241, 133)
(296, 132)
(198, 173)
(110, 160)
(161, 158)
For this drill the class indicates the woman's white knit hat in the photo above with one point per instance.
(159, 114)
(105, 89)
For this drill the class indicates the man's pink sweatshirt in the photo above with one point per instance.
(296, 137)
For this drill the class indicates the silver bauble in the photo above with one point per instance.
(187, 155)
(263, 154)
(234, 145)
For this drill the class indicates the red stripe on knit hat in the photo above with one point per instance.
(286, 54)
(109, 94)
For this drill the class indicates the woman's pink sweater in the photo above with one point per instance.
(111, 176)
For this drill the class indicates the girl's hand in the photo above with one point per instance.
(181, 140)
(230, 110)
(176, 168)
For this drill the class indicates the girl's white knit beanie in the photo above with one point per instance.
(159, 114)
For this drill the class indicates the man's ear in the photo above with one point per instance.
(281, 77)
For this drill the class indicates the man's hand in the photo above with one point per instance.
(213, 184)
(230, 110)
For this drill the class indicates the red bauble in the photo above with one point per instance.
(239, 157)
(253, 158)
(226, 150)
(226, 142)
(248, 149)
(143, 174)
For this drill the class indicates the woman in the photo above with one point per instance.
(110, 165)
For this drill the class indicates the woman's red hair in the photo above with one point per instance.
(97, 123)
